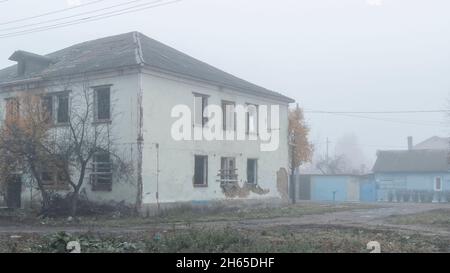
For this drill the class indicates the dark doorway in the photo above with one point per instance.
(304, 187)
(13, 192)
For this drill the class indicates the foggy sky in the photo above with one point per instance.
(329, 55)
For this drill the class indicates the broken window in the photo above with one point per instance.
(229, 115)
(252, 171)
(12, 109)
(228, 171)
(252, 119)
(101, 176)
(63, 108)
(200, 104)
(47, 109)
(103, 103)
(201, 171)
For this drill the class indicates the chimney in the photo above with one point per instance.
(410, 143)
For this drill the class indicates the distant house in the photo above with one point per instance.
(414, 175)
(434, 143)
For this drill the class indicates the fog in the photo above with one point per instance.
(329, 55)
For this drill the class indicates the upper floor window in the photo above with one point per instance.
(63, 108)
(252, 119)
(102, 103)
(229, 115)
(47, 109)
(200, 104)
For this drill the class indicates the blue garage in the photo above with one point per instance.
(337, 188)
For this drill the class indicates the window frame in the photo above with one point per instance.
(247, 120)
(12, 109)
(255, 168)
(435, 183)
(224, 115)
(96, 90)
(205, 171)
(228, 175)
(95, 173)
(204, 99)
(57, 106)
(55, 183)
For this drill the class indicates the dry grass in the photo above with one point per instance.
(435, 218)
(222, 240)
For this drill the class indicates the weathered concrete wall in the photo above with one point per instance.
(173, 181)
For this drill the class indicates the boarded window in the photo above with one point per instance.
(201, 171)
(229, 115)
(252, 119)
(103, 103)
(63, 109)
(228, 171)
(12, 109)
(252, 171)
(200, 104)
(47, 108)
(101, 176)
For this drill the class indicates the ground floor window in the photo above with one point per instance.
(252, 171)
(53, 174)
(438, 184)
(101, 176)
(228, 171)
(201, 171)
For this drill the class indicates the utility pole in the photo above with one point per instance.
(328, 155)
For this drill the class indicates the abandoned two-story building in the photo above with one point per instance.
(136, 82)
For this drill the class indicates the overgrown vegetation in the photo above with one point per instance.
(220, 240)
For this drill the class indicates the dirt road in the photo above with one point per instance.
(373, 218)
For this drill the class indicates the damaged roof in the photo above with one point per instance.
(133, 49)
(412, 161)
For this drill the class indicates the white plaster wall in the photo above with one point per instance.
(124, 129)
(176, 158)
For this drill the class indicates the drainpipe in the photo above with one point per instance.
(157, 176)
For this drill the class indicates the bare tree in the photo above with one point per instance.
(334, 165)
(30, 142)
(85, 137)
(23, 138)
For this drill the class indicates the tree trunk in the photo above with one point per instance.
(74, 203)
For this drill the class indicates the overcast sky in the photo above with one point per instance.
(329, 55)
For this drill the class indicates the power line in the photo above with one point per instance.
(389, 120)
(76, 15)
(49, 13)
(377, 112)
(89, 19)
